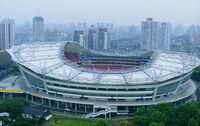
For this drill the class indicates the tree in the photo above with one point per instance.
(41, 120)
(124, 123)
(196, 74)
(22, 122)
(198, 119)
(139, 120)
(155, 113)
(13, 107)
(192, 122)
(184, 112)
(157, 124)
(187, 114)
(102, 122)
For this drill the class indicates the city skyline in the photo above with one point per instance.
(120, 12)
(100, 62)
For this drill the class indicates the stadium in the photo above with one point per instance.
(66, 76)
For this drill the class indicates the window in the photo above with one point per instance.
(167, 88)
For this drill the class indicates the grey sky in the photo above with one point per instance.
(120, 12)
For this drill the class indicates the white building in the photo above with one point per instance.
(38, 29)
(35, 113)
(79, 37)
(155, 35)
(150, 34)
(92, 39)
(196, 40)
(98, 38)
(7, 33)
(103, 39)
(165, 36)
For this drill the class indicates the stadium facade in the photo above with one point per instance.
(68, 77)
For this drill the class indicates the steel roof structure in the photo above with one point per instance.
(48, 59)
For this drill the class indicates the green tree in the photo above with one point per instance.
(157, 116)
(23, 122)
(13, 106)
(196, 74)
(139, 120)
(198, 119)
(102, 122)
(187, 114)
(186, 111)
(124, 123)
(41, 120)
(157, 124)
(161, 113)
(192, 122)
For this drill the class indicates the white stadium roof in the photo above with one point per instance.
(48, 59)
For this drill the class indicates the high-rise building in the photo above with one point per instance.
(23, 33)
(155, 35)
(38, 29)
(103, 39)
(196, 41)
(98, 38)
(165, 36)
(54, 35)
(79, 37)
(7, 33)
(92, 38)
(150, 35)
(84, 26)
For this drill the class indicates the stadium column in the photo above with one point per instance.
(21, 70)
(85, 108)
(175, 103)
(154, 95)
(176, 91)
(42, 101)
(137, 108)
(66, 105)
(57, 103)
(11, 96)
(75, 107)
(49, 103)
(27, 97)
(45, 85)
(181, 101)
(94, 109)
(4, 95)
(194, 97)
(32, 98)
(110, 115)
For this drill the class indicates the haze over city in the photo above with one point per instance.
(120, 12)
(120, 62)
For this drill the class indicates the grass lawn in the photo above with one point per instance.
(72, 122)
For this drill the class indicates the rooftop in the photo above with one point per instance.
(48, 59)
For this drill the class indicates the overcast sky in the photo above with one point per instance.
(120, 12)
